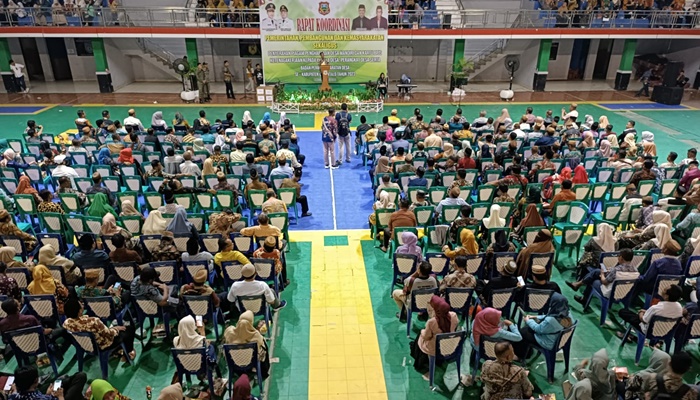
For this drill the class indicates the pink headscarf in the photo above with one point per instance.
(486, 323)
(580, 174)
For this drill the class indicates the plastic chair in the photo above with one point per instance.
(242, 359)
(189, 362)
(501, 299)
(460, 301)
(439, 262)
(103, 307)
(43, 307)
(21, 275)
(258, 305)
(30, 342)
(571, 238)
(203, 306)
(500, 260)
(56, 241)
(168, 270)
(475, 264)
(659, 329)
(448, 348)
(563, 342)
(404, 265)
(692, 267)
(424, 215)
(535, 301)
(691, 332)
(265, 269)
(663, 282)
(621, 293)
(485, 350)
(419, 299)
(148, 309)
(243, 244)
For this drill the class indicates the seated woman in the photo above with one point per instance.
(502, 379)
(102, 390)
(180, 225)
(24, 186)
(241, 389)
(533, 197)
(603, 379)
(634, 238)
(7, 257)
(384, 203)
(44, 283)
(155, 224)
(582, 390)
(174, 392)
(532, 219)
(604, 242)
(493, 221)
(469, 246)
(99, 207)
(639, 383)
(443, 321)
(244, 333)
(410, 245)
(542, 329)
(487, 323)
(662, 235)
(128, 210)
(556, 179)
(8, 228)
(189, 338)
(48, 257)
(541, 244)
(499, 245)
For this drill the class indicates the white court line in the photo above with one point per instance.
(335, 223)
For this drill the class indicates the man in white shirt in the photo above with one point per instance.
(282, 168)
(284, 152)
(668, 307)
(64, 170)
(238, 155)
(188, 167)
(481, 121)
(572, 114)
(250, 287)
(19, 76)
(133, 121)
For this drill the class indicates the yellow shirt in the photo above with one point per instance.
(230, 256)
(262, 231)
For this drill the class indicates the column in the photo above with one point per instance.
(191, 49)
(624, 73)
(5, 57)
(104, 77)
(540, 79)
(457, 79)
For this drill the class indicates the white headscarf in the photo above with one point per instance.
(647, 136)
(663, 235)
(155, 224)
(246, 117)
(605, 239)
(188, 337)
(494, 219)
(157, 119)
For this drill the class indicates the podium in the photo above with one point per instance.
(325, 70)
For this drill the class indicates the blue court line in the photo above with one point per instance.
(641, 106)
(9, 110)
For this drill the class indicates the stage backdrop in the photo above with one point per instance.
(351, 34)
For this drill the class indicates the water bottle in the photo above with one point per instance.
(149, 393)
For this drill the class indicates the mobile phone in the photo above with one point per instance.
(117, 285)
(521, 281)
(603, 268)
(56, 385)
(8, 383)
(198, 318)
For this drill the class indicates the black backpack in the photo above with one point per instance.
(662, 394)
(343, 124)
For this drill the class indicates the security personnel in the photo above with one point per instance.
(269, 23)
(284, 24)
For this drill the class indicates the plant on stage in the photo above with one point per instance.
(316, 99)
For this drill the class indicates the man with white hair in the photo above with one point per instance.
(481, 121)
(133, 121)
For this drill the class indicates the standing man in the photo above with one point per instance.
(285, 24)
(361, 23)
(228, 80)
(343, 118)
(16, 68)
(259, 77)
(249, 79)
(269, 24)
(329, 134)
(203, 83)
(645, 84)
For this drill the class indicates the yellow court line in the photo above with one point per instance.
(318, 120)
(344, 356)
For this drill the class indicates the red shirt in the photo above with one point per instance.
(466, 163)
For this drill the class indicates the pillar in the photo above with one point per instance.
(191, 49)
(104, 77)
(457, 79)
(624, 73)
(5, 57)
(540, 79)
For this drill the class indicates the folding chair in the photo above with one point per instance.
(192, 362)
(30, 342)
(242, 359)
(448, 348)
(563, 342)
(659, 329)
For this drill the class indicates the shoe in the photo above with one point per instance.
(283, 304)
(306, 214)
(338, 163)
(401, 316)
(571, 285)
(348, 161)
(26, 90)
(335, 166)
(383, 249)
(326, 166)
(580, 299)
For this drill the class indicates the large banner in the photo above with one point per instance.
(352, 35)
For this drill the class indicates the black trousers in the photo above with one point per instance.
(522, 348)
(644, 89)
(229, 90)
(73, 386)
(127, 337)
(304, 203)
(630, 317)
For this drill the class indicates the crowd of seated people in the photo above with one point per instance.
(157, 203)
(495, 210)
(600, 12)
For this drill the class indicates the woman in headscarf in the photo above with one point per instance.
(110, 228)
(541, 244)
(662, 235)
(208, 168)
(550, 181)
(48, 257)
(174, 392)
(126, 156)
(157, 121)
(582, 390)
(58, 15)
(268, 120)
(542, 329)
(180, 122)
(100, 206)
(603, 380)
(603, 121)
(180, 224)
(499, 245)
(102, 390)
(8, 228)
(605, 149)
(381, 167)
(469, 246)
(630, 145)
(580, 175)
(503, 119)
(533, 196)
(104, 157)
(44, 283)
(640, 383)
(448, 151)
(648, 145)
(443, 321)
(25, 187)
(7, 256)
(128, 210)
(603, 242)
(8, 155)
(494, 219)
(588, 141)
(189, 338)
(242, 389)
(244, 332)
(532, 219)
(634, 238)
(384, 203)
(246, 118)
(155, 224)
(410, 245)
(487, 323)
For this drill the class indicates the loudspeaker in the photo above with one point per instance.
(667, 95)
(671, 71)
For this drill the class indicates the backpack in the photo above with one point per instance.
(343, 124)
(662, 394)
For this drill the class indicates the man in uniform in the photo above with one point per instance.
(249, 79)
(284, 24)
(361, 23)
(203, 82)
(269, 24)
(228, 80)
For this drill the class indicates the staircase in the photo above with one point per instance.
(156, 55)
(487, 56)
(450, 7)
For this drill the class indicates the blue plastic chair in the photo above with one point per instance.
(535, 301)
(257, 305)
(43, 307)
(18, 245)
(232, 271)
(148, 309)
(168, 270)
(202, 306)
(475, 264)
(85, 343)
(265, 269)
(662, 283)
(440, 263)
(244, 244)
(448, 348)
(21, 275)
(192, 267)
(460, 301)
(500, 260)
(659, 329)
(103, 307)
(56, 240)
(28, 342)
(485, 350)
(692, 267)
(242, 359)
(621, 293)
(403, 265)
(419, 303)
(190, 362)
(691, 332)
(563, 342)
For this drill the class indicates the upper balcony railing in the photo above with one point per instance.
(122, 17)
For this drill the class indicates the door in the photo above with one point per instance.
(59, 59)
(32, 61)
(579, 56)
(602, 59)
